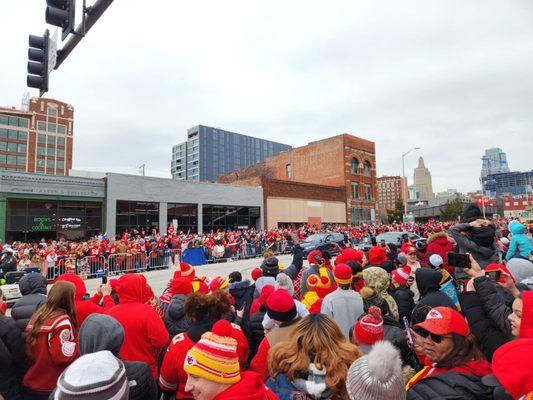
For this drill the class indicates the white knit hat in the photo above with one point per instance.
(378, 375)
(284, 281)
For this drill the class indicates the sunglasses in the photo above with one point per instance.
(435, 338)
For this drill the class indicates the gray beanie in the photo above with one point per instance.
(94, 376)
(378, 375)
(284, 281)
(520, 268)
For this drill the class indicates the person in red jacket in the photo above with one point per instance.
(145, 332)
(438, 243)
(213, 370)
(86, 307)
(52, 342)
(204, 311)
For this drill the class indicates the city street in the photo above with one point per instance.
(158, 279)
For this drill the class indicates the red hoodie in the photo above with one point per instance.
(145, 332)
(84, 308)
(526, 325)
(250, 387)
(438, 243)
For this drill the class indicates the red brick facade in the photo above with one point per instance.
(43, 134)
(340, 161)
(389, 189)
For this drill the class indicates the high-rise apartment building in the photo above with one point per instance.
(391, 188)
(209, 152)
(38, 139)
(494, 162)
(422, 181)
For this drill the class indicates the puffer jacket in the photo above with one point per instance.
(33, 289)
(13, 363)
(102, 332)
(496, 302)
(487, 333)
(483, 255)
(395, 333)
(175, 319)
(404, 298)
(243, 293)
(450, 385)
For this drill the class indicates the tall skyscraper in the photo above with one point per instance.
(494, 162)
(37, 139)
(209, 152)
(422, 180)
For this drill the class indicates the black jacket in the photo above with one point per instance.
(428, 283)
(255, 332)
(141, 381)
(404, 298)
(483, 255)
(33, 289)
(243, 293)
(395, 333)
(487, 333)
(13, 362)
(8, 263)
(448, 386)
(175, 319)
(496, 302)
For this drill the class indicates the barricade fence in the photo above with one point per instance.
(120, 263)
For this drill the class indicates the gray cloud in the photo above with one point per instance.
(450, 76)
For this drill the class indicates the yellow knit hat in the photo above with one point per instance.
(215, 357)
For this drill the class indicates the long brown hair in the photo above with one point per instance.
(60, 301)
(315, 339)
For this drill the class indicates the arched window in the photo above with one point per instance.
(367, 168)
(354, 165)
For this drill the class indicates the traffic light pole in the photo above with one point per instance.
(93, 14)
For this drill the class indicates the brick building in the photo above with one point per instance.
(340, 161)
(390, 188)
(39, 139)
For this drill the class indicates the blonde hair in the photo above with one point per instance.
(315, 339)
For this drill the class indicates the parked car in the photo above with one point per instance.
(392, 237)
(323, 241)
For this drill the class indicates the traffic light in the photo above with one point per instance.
(61, 13)
(38, 54)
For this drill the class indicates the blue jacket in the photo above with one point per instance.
(519, 241)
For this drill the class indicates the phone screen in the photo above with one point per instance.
(408, 331)
(458, 260)
(494, 275)
(104, 279)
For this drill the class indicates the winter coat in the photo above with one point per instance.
(86, 307)
(8, 263)
(487, 333)
(438, 243)
(55, 348)
(33, 290)
(255, 331)
(13, 362)
(175, 319)
(250, 387)
(145, 332)
(344, 307)
(496, 302)
(450, 385)
(483, 255)
(243, 293)
(378, 279)
(520, 243)
(394, 332)
(313, 387)
(102, 332)
(403, 296)
(428, 282)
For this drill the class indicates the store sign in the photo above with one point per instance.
(56, 223)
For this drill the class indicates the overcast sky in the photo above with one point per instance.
(452, 77)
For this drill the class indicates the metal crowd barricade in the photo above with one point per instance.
(120, 263)
(162, 258)
(92, 266)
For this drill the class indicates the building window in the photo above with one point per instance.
(11, 160)
(41, 139)
(60, 141)
(23, 135)
(355, 190)
(40, 151)
(41, 125)
(60, 153)
(21, 160)
(12, 147)
(52, 112)
(52, 128)
(61, 129)
(354, 165)
(22, 148)
(288, 171)
(367, 168)
(368, 192)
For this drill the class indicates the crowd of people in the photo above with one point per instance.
(396, 322)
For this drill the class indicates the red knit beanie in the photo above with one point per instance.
(401, 275)
(280, 306)
(343, 274)
(369, 329)
(377, 255)
(256, 273)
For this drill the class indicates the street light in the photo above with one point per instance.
(403, 176)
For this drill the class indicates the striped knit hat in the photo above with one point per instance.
(215, 357)
(369, 329)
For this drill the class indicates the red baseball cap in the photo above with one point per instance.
(444, 320)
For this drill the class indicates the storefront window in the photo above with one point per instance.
(185, 214)
(229, 217)
(138, 216)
